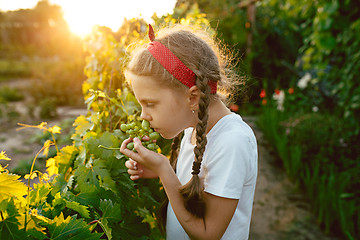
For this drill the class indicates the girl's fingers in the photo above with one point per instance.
(130, 153)
(131, 164)
(134, 177)
(135, 172)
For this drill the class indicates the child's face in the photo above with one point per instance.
(166, 109)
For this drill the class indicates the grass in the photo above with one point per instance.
(329, 186)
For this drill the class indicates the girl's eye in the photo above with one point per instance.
(149, 105)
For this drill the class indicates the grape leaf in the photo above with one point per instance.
(35, 234)
(91, 175)
(40, 193)
(92, 196)
(9, 225)
(110, 211)
(109, 140)
(51, 167)
(67, 154)
(106, 139)
(11, 186)
(70, 229)
(147, 216)
(82, 125)
(107, 230)
(83, 210)
(133, 227)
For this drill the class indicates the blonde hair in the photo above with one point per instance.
(198, 51)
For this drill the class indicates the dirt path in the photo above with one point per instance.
(280, 212)
(19, 145)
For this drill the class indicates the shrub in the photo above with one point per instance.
(10, 94)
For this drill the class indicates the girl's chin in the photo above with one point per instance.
(166, 136)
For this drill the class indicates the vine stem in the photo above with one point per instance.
(28, 187)
(110, 148)
(53, 137)
(109, 91)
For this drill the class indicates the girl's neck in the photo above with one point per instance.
(217, 110)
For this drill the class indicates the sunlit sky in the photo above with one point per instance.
(82, 15)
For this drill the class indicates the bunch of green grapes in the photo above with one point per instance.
(140, 130)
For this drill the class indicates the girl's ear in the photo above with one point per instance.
(193, 98)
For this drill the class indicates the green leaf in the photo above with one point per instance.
(35, 234)
(327, 41)
(70, 229)
(9, 225)
(109, 140)
(83, 210)
(92, 198)
(40, 193)
(110, 211)
(91, 175)
(107, 230)
(133, 227)
(147, 216)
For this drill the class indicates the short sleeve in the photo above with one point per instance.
(229, 164)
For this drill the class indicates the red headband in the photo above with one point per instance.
(173, 64)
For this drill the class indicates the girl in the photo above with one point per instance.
(210, 181)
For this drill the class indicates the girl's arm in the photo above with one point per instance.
(218, 213)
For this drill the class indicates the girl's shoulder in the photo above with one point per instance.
(231, 126)
(231, 135)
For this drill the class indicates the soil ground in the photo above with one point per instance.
(280, 211)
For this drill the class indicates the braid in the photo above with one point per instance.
(175, 150)
(173, 160)
(193, 191)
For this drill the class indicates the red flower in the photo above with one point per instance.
(234, 107)
(291, 90)
(277, 91)
(262, 93)
(264, 102)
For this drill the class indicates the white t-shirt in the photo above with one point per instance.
(229, 170)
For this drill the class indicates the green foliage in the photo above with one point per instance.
(313, 151)
(8, 94)
(331, 53)
(90, 184)
(292, 38)
(69, 228)
(316, 130)
(58, 82)
(9, 225)
(10, 69)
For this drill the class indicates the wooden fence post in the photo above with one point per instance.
(250, 14)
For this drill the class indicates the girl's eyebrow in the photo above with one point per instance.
(147, 100)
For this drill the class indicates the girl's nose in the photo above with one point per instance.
(145, 116)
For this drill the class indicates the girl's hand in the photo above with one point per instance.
(137, 171)
(151, 161)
